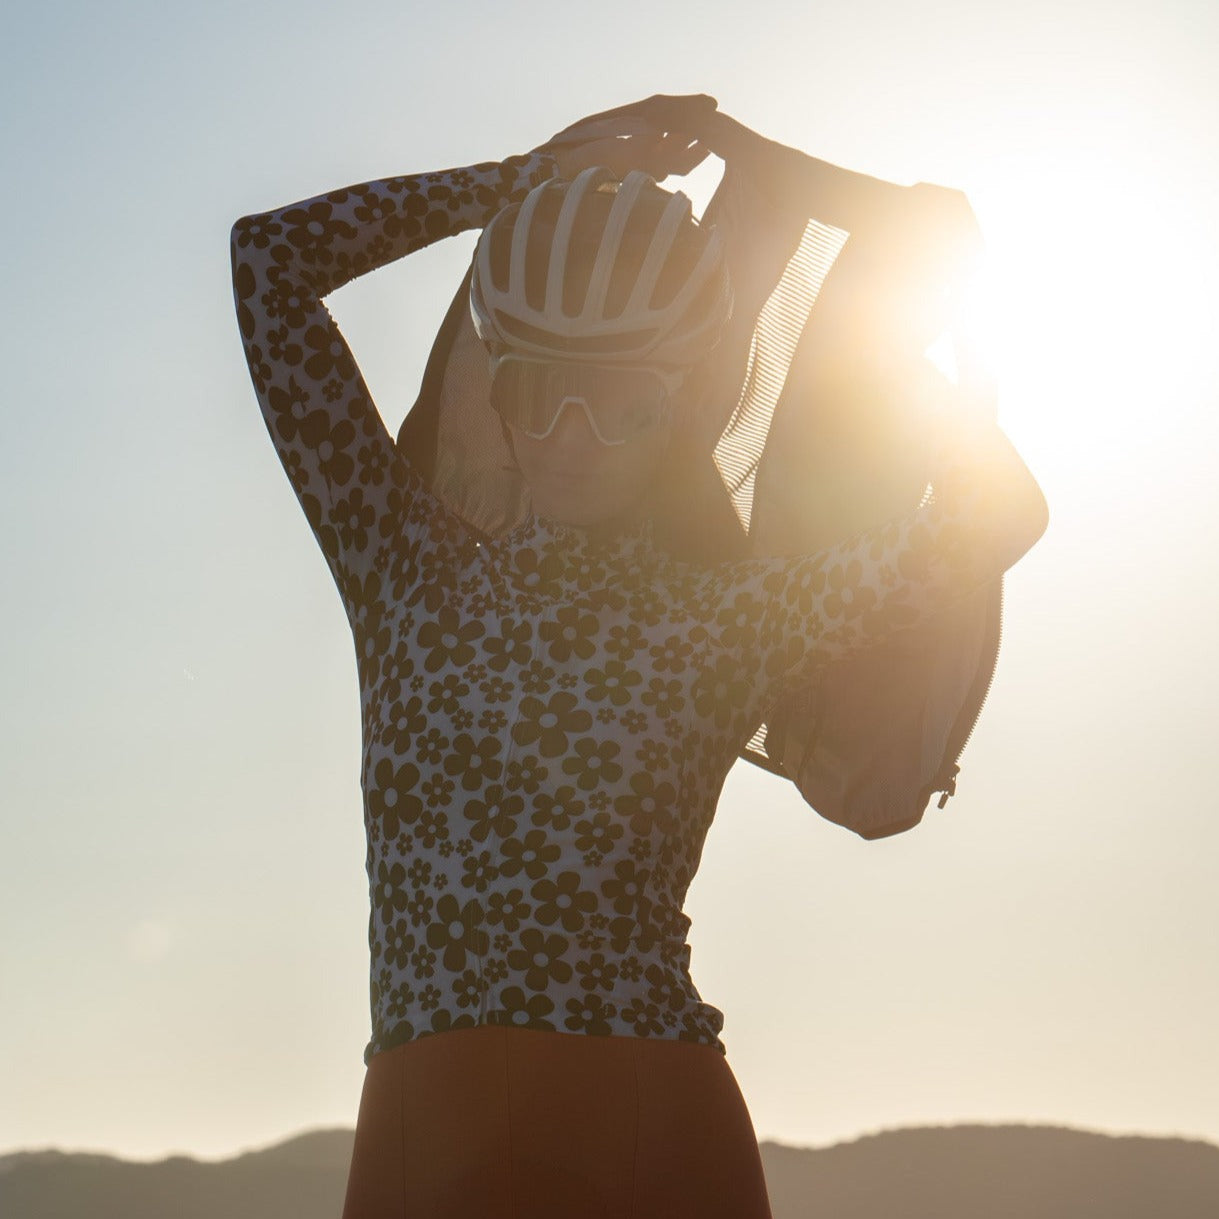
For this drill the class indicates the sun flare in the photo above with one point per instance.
(1091, 312)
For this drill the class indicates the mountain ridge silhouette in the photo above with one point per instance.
(965, 1171)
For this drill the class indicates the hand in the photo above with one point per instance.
(658, 135)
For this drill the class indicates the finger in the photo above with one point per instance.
(671, 108)
(660, 157)
(682, 154)
(690, 114)
(591, 130)
(648, 154)
(661, 112)
(664, 111)
(724, 136)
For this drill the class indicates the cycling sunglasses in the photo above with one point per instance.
(620, 402)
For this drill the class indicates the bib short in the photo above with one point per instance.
(496, 1122)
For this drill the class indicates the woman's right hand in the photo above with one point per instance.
(659, 135)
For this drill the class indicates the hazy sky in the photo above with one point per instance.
(182, 895)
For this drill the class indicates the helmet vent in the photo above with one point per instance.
(586, 236)
(626, 267)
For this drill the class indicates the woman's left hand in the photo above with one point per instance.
(654, 135)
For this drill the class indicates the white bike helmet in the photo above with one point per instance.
(600, 270)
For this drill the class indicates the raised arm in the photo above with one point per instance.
(330, 438)
(783, 616)
(861, 400)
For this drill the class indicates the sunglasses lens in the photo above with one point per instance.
(620, 403)
(521, 393)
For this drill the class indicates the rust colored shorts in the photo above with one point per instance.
(506, 1123)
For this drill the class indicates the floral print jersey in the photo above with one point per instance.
(548, 717)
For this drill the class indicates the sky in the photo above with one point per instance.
(182, 898)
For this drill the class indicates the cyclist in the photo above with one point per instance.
(549, 712)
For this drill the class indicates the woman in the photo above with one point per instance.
(549, 714)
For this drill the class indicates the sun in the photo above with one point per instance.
(1094, 310)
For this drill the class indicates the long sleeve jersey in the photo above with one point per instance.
(548, 716)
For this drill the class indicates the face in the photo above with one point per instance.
(576, 480)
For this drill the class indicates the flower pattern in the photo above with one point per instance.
(548, 717)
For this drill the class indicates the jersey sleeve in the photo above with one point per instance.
(778, 619)
(341, 461)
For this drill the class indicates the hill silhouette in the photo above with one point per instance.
(996, 1172)
(948, 1172)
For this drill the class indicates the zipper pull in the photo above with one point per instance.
(949, 788)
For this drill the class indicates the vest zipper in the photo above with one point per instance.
(945, 780)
